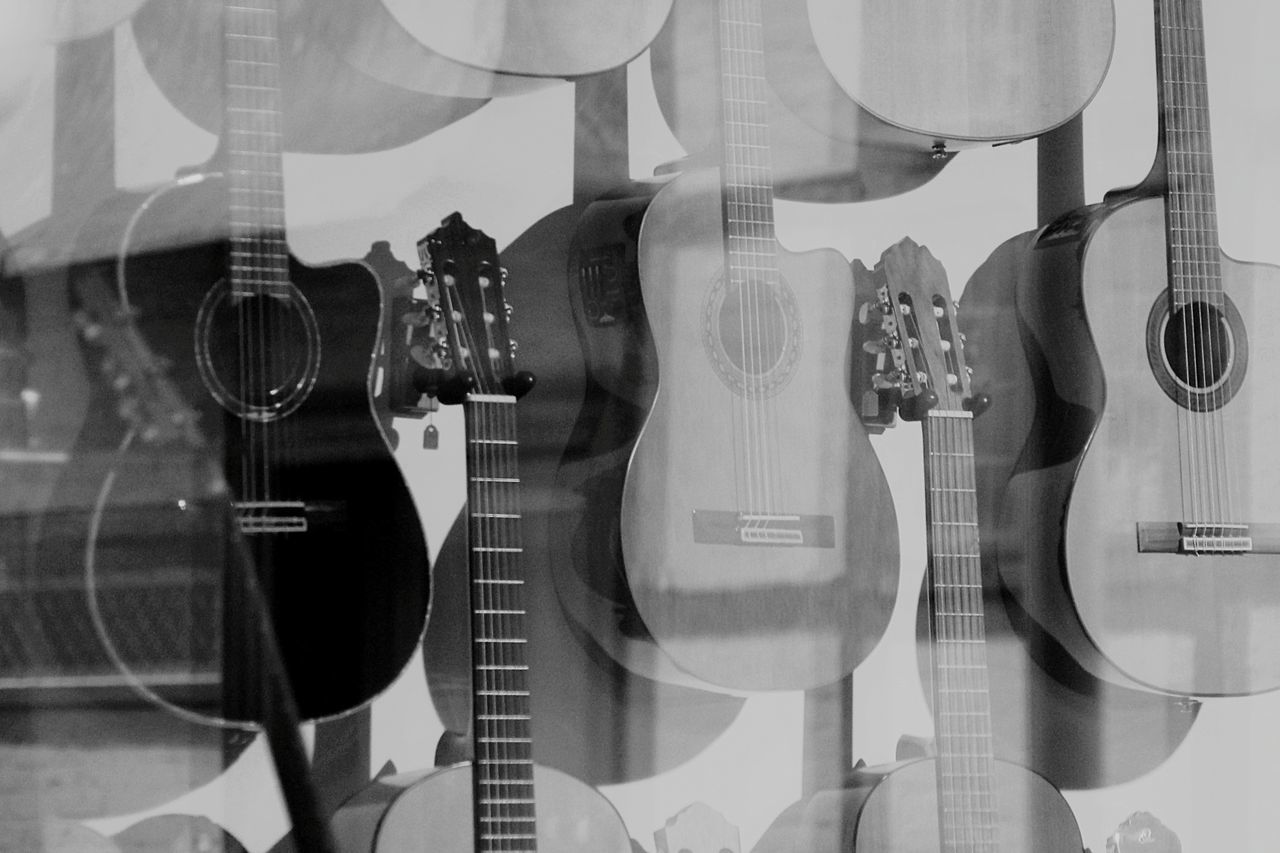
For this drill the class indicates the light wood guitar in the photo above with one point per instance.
(754, 524)
(1140, 527)
(501, 800)
(964, 800)
(540, 38)
(872, 98)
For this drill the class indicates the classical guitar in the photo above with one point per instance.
(328, 106)
(275, 358)
(655, 725)
(754, 525)
(872, 98)
(540, 38)
(1139, 527)
(501, 800)
(964, 799)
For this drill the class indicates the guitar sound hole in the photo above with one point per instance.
(753, 327)
(751, 332)
(1197, 345)
(258, 355)
(1198, 352)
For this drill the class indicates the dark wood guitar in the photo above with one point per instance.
(981, 804)
(275, 358)
(1138, 527)
(501, 800)
(754, 525)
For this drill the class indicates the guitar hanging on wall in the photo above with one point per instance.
(982, 804)
(1140, 527)
(275, 357)
(501, 800)
(754, 528)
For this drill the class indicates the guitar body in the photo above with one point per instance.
(328, 106)
(825, 147)
(891, 808)
(979, 70)
(751, 616)
(543, 38)
(335, 537)
(1049, 714)
(434, 810)
(1102, 459)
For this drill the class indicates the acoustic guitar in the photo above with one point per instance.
(329, 106)
(501, 800)
(964, 799)
(1139, 527)
(754, 525)
(538, 38)
(274, 357)
(872, 98)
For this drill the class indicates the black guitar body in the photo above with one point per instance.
(289, 468)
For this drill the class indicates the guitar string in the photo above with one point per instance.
(751, 201)
(735, 286)
(1212, 265)
(1191, 249)
(1188, 434)
(966, 757)
(1205, 264)
(500, 607)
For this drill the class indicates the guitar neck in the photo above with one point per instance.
(259, 263)
(1191, 219)
(746, 173)
(503, 777)
(960, 693)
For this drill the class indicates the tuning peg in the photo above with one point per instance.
(519, 384)
(513, 347)
(977, 404)
(507, 310)
(914, 408)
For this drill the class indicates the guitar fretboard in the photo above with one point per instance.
(1191, 219)
(747, 172)
(962, 705)
(503, 777)
(259, 256)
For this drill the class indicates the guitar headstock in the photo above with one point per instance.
(460, 265)
(919, 351)
(147, 398)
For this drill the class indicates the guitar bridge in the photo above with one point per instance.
(256, 517)
(725, 527)
(1171, 537)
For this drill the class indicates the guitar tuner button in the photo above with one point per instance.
(483, 281)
